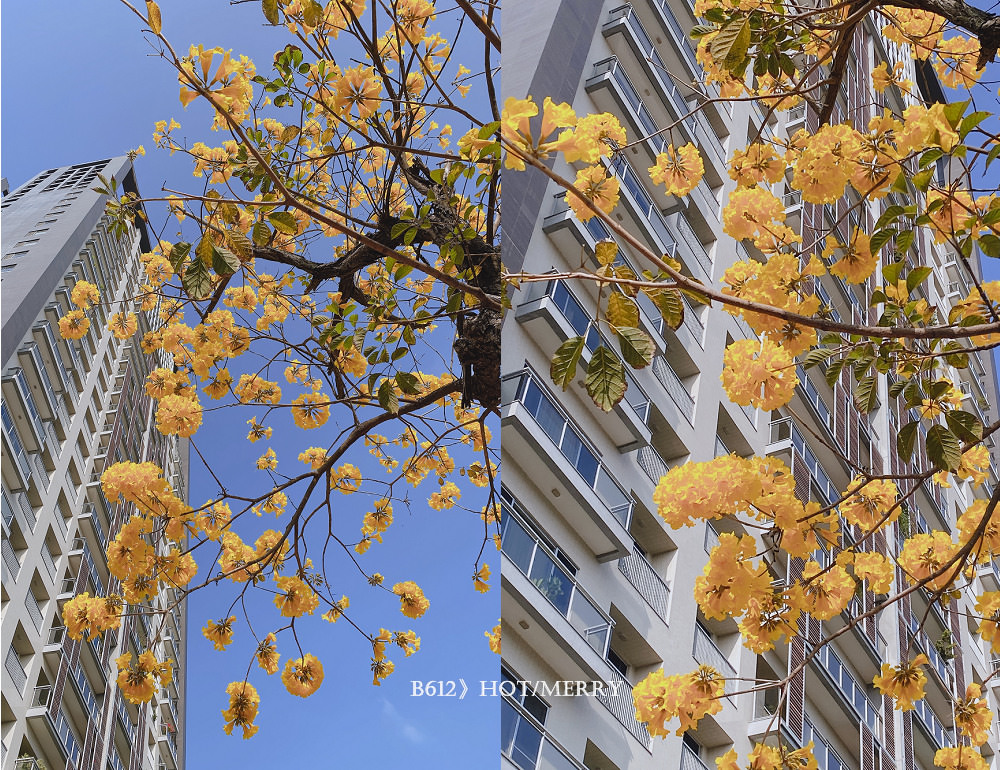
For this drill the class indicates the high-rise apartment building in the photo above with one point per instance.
(595, 586)
(69, 409)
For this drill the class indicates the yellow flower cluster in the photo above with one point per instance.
(689, 697)
(412, 601)
(141, 679)
(903, 683)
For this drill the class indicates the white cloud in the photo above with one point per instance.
(398, 723)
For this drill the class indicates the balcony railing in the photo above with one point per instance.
(524, 742)
(626, 15)
(581, 323)
(668, 378)
(647, 582)
(941, 735)
(652, 464)
(711, 538)
(571, 444)
(784, 429)
(941, 665)
(12, 665)
(545, 571)
(619, 702)
(50, 565)
(690, 760)
(33, 609)
(848, 688)
(10, 562)
(693, 241)
(707, 652)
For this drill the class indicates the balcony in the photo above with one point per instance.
(525, 743)
(23, 411)
(846, 690)
(793, 209)
(28, 763)
(12, 665)
(623, 20)
(568, 463)
(609, 79)
(691, 245)
(57, 728)
(10, 561)
(34, 610)
(588, 234)
(620, 703)
(19, 474)
(651, 587)
(564, 317)
(690, 760)
(989, 573)
(707, 653)
(540, 571)
(940, 665)
(90, 527)
(671, 383)
(166, 740)
(939, 735)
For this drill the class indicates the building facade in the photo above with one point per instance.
(594, 586)
(69, 409)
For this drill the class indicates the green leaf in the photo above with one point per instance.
(261, 234)
(730, 46)
(637, 347)
(930, 156)
(916, 277)
(387, 397)
(567, 355)
(407, 382)
(606, 379)
(312, 13)
(866, 393)
(993, 155)
(833, 370)
(969, 122)
(904, 240)
(922, 180)
(891, 214)
(815, 357)
(197, 281)
(622, 311)
(905, 440)
(283, 222)
(943, 448)
(881, 238)
(954, 111)
(224, 262)
(956, 355)
(671, 307)
(606, 251)
(965, 425)
(990, 245)
(178, 254)
(270, 8)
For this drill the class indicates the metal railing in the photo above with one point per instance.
(12, 665)
(546, 572)
(651, 463)
(618, 701)
(693, 241)
(671, 383)
(50, 565)
(690, 760)
(572, 310)
(711, 538)
(707, 652)
(33, 609)
(10, 562)
(941, 735)
(526, 743)
(523, 388)
(647, 582)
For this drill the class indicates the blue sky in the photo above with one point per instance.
(79, 83)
